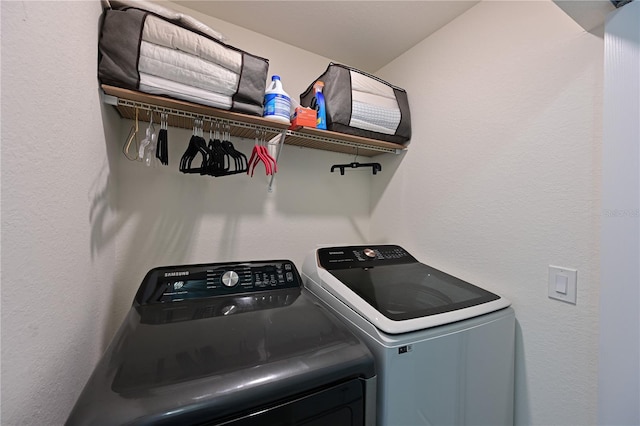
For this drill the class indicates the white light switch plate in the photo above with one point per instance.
(563, 283)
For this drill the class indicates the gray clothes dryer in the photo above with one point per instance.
(229, 344)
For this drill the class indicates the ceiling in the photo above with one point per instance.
(364, 34)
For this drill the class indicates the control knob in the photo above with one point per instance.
(369, 253)
(230, 278)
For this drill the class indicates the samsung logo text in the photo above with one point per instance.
(176, 274)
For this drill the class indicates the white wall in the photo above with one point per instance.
(169, 218)
(619, 364)
(82, 225)
(502, 179)
(57, 264)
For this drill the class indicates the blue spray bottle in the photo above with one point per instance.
(321, 112)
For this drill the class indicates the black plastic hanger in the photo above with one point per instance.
(197, 145)
(376, 167)
(225, 153)
(162, 149)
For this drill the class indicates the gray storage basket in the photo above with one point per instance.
(119, 57)
(360, 104)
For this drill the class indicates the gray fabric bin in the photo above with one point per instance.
(361, 104)
(143, 51)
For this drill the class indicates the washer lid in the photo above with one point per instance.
(395, 284)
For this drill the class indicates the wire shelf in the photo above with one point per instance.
(182, 114)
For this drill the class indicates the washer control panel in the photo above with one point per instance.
(362, 256)
(171, 284)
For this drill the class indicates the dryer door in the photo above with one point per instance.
(339, 405)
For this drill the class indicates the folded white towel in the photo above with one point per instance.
(375, 118)
(163, 33)
(366, 84)
(370, 126)
(161, 86)
(187, 69)
(376, 100)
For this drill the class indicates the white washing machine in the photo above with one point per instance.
(444, 348)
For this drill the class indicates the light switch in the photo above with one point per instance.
(563, 283)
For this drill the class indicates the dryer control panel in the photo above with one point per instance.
(176, 283)
(331, 258)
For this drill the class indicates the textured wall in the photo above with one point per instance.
(502, 179)
(81, 225)
(57, 266)
(170, 218)
(166, 217)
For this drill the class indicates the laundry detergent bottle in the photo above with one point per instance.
(321, 112)
(277, 104)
